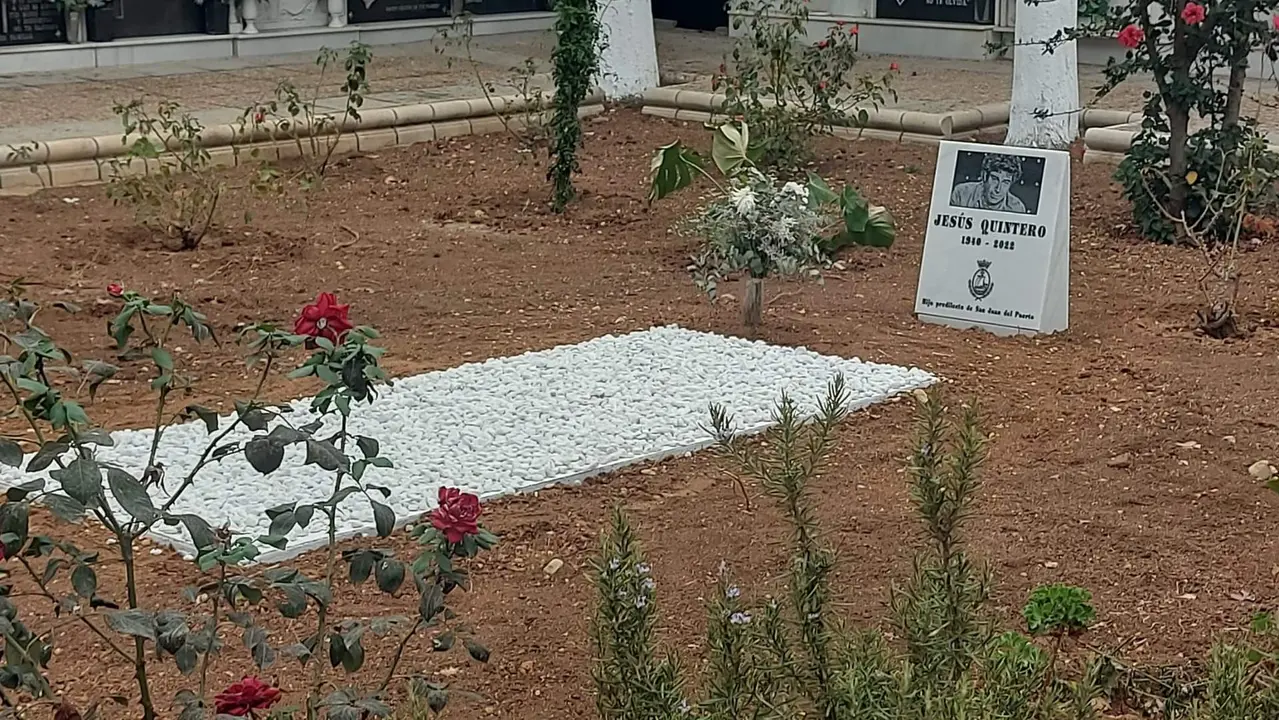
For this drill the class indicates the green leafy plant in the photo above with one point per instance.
(294, 116)
(576, 60)
(166, 174)
(1059, 610)
(789, 90)
(130, 502)
(24, 154)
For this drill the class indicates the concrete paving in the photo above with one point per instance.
(48, 106)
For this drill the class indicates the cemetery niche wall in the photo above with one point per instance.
(969, 12)
(29, 22)
(156, 18)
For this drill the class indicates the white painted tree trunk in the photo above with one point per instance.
(1044, 83)
(628, 65)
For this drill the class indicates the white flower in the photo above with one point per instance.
(733, 593)
(740, 618)
(796, 189)
(743, 199)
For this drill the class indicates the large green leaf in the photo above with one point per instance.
(81, 479)
(881, 229)
(878, 230)
(131, 495)
(855, 210)
(672, 169)
(819, 193)
(730, 148)
(10, 453)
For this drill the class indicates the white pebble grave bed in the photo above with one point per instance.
(510, 425)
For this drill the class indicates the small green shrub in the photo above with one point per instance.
(630, 680)
(789, 655)
(1185, 49)
(1059, 610)
(166, 174)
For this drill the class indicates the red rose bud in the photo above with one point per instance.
(821, 44)
(854, 29)
(115, 290)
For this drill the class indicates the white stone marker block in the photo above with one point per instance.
(997, 248)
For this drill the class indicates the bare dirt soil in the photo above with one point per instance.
(450, 250)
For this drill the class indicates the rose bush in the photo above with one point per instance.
(59, 454)
(787, 90)
(1170, 173)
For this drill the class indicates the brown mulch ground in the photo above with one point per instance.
(457, 260)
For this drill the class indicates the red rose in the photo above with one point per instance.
(892, 67)
(1274, 21)
(1193, 13)
(457, 515)
(821, 85)
(242, 698)
(323, 318)
(822, 44)
(258, 117)
(1131, 36)
(115, 290)
(854, 29)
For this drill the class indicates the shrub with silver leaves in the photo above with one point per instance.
(758, 227)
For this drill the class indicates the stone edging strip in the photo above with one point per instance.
(75, 161)
(887, 123)
(1105, 136)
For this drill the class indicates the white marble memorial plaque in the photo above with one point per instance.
(997, 248)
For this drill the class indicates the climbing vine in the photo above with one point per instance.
(576, 63)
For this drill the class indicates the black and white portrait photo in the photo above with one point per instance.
(997, 181)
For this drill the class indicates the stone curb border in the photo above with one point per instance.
(76, 161)
(1109, 142)
(882, 123)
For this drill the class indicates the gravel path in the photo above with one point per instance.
(512, 425)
